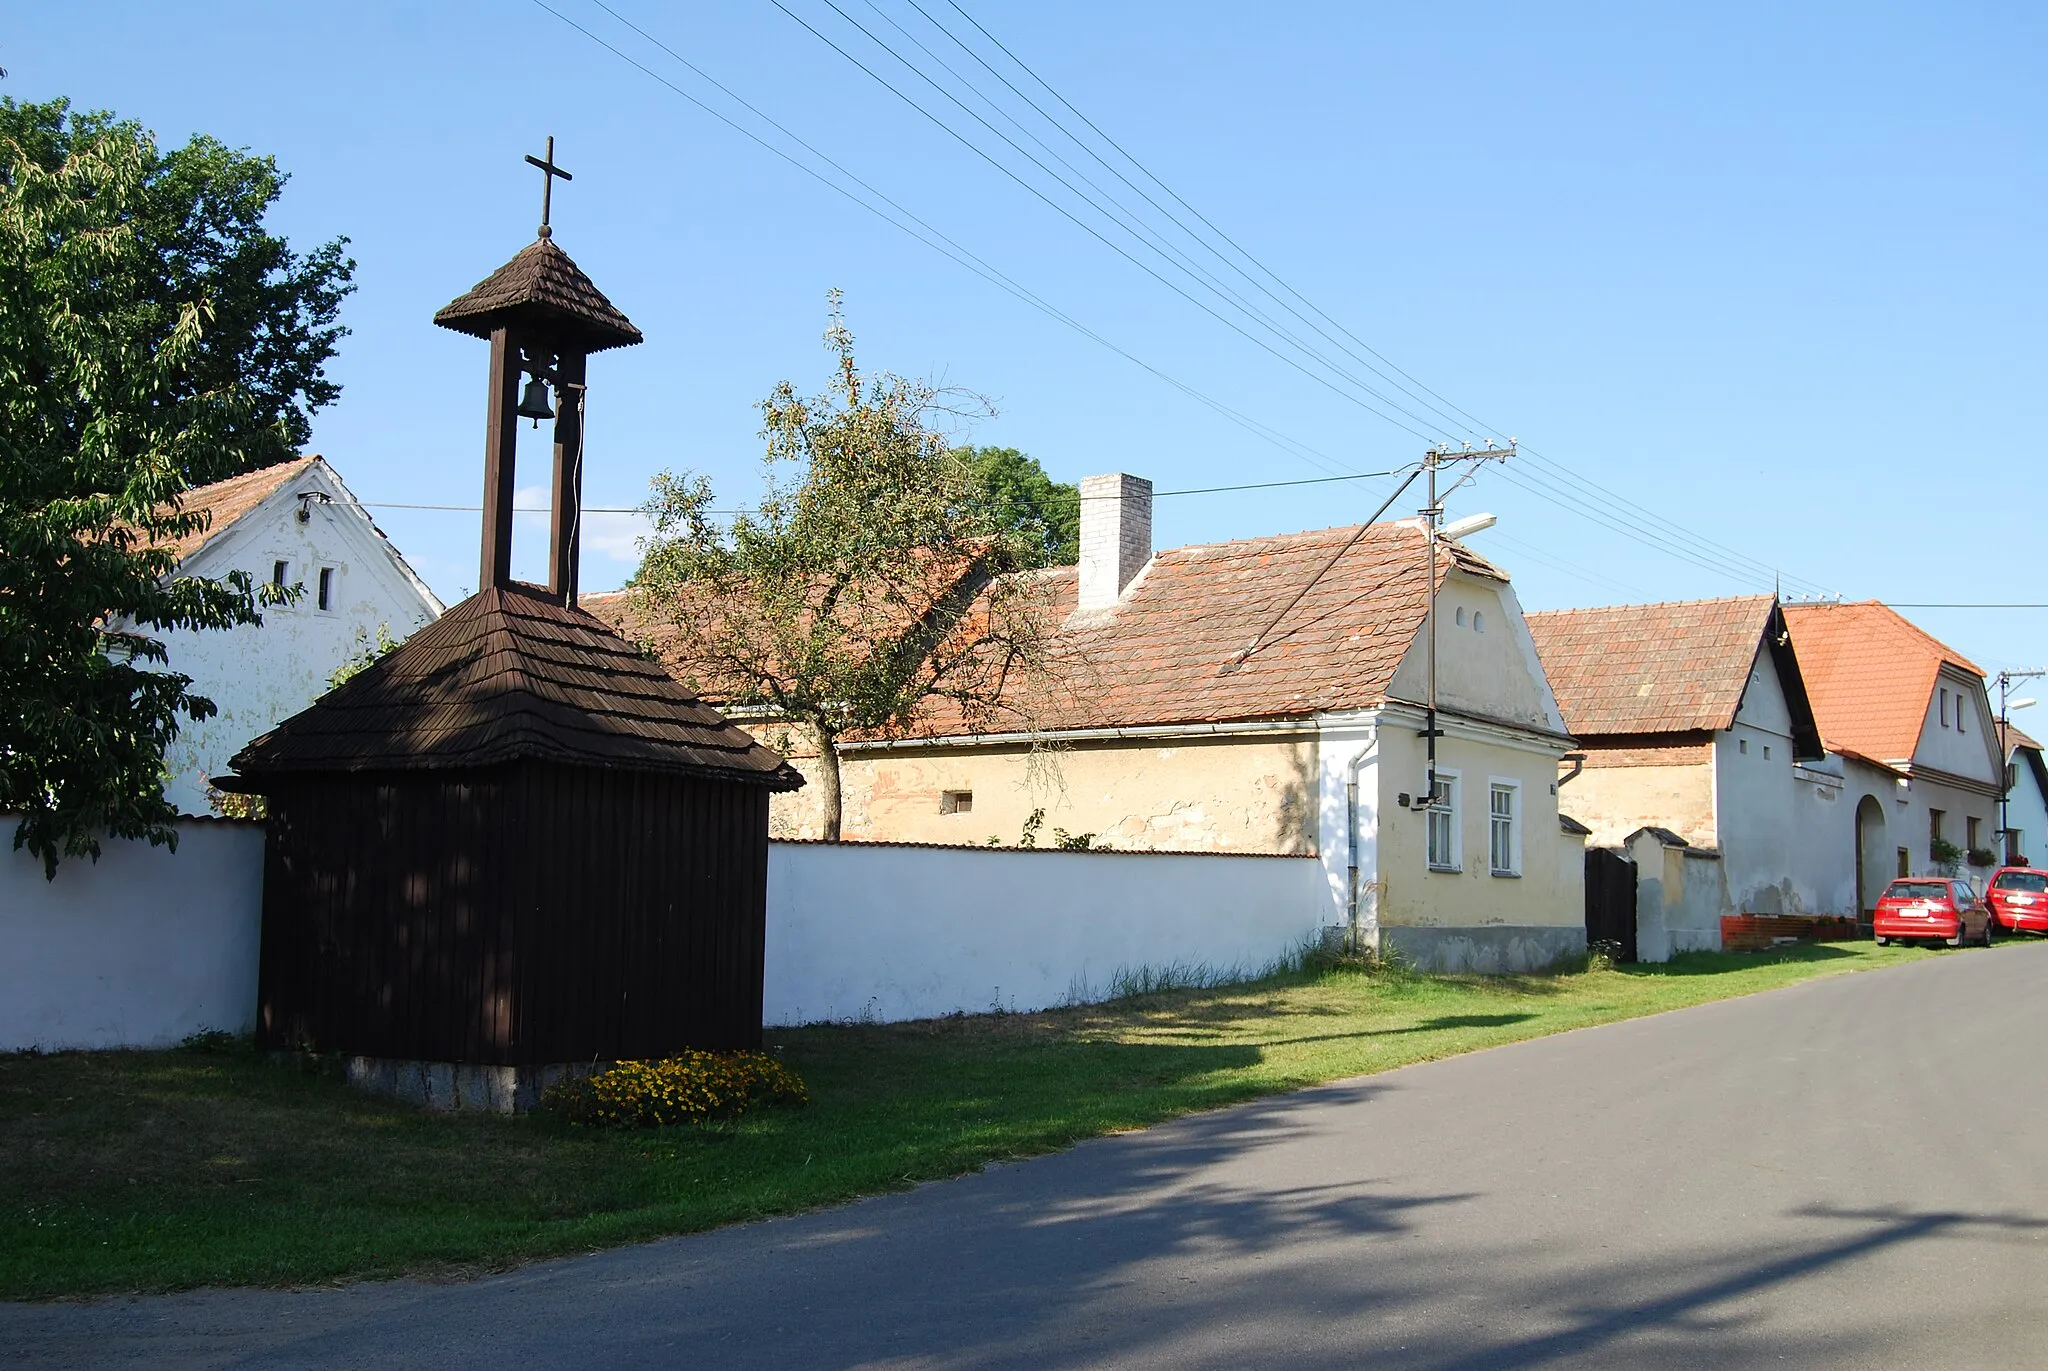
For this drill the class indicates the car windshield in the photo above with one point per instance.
(2033, 881)
(1917, 890)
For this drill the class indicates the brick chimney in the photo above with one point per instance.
(1116, 536)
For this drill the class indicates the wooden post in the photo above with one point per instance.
(501, 444)
(565, 537)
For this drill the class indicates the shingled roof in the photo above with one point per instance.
(507, 675)
(1872, 674)
(1675, 667)
(541, 285)
(1167, 652)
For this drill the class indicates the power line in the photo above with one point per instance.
(930, 237)
(1706, 548)
(1062, 210)
(1062, 502)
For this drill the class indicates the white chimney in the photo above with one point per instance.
(1116, 536)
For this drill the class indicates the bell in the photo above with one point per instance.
(535, 404)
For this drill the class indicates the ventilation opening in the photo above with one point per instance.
(956, 802)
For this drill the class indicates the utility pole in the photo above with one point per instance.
(1432, 523)
(2006, 681)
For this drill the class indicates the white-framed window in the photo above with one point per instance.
(1442, 821)
(1504, 826)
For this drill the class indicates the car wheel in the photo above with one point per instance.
(1989, 922)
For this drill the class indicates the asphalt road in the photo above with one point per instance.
(1847, 1173)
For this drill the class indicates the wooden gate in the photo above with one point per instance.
(1611, 902)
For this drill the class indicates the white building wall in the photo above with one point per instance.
(140, 949)
(1771, 862)
(887, 932)
(1967, 743)
(260, 675)
(2027, 813)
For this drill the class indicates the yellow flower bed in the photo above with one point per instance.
(696, 1087)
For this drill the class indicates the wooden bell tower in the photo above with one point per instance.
(543, 318)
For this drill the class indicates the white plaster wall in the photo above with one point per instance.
(1968, 744)
(1348, 751)
(1906, 817)
(1491, 670)
(1823, 852)
(2027, 812)
(1755, 802)
(140, 949)
(859, 930)
(260, 675)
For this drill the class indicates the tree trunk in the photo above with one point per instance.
(828, 783)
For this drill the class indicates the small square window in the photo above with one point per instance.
(1742, 746)
(326, 591)
(956, 802)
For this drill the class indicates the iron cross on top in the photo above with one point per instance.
(549, 171)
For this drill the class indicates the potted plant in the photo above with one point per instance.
(1981, 856)
(1945, 855)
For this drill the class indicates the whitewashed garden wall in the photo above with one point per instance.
(141, 949)
(148, 947)
(895, 931)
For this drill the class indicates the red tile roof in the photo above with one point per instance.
(1662, 668)
(227, 501)
(1870, 673)
(1166, 652)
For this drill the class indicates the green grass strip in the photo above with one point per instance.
(150, 1171)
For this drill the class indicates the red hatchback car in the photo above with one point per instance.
(1933, 907)
(2018, 897)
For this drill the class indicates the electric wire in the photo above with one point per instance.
(931, 237)
(1442, 406)
(1067, 214)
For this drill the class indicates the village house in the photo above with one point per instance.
(1921, 762)
(1264, 696)
(1697, 730)
(2025, 819)
(294, 524)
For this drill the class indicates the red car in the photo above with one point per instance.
(1933, 907)
(2018, 897)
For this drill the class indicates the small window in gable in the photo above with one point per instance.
(1959, 713)
(279, 570)
(1944, 709)
(1742, 746)
(956, 802)
(1478, 622)
(1767, 752)
(325, 595)
(1461, 616)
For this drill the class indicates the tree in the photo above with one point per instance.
(1020, 498)
(866, 593)
(152, 337)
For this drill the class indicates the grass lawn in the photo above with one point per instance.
(125, 1171)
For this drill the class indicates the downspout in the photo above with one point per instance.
(1354, 924)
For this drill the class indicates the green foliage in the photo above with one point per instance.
(843, 603)
(1017, 496)
(1061, 839)
(152, 337)
(366, 653)
(697, 1087)
(1944, 854)
(1981, 856)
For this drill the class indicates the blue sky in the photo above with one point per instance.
(1772, 274)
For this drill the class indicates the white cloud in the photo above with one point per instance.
(612, 536)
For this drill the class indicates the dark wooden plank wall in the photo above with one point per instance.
(518, 915)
